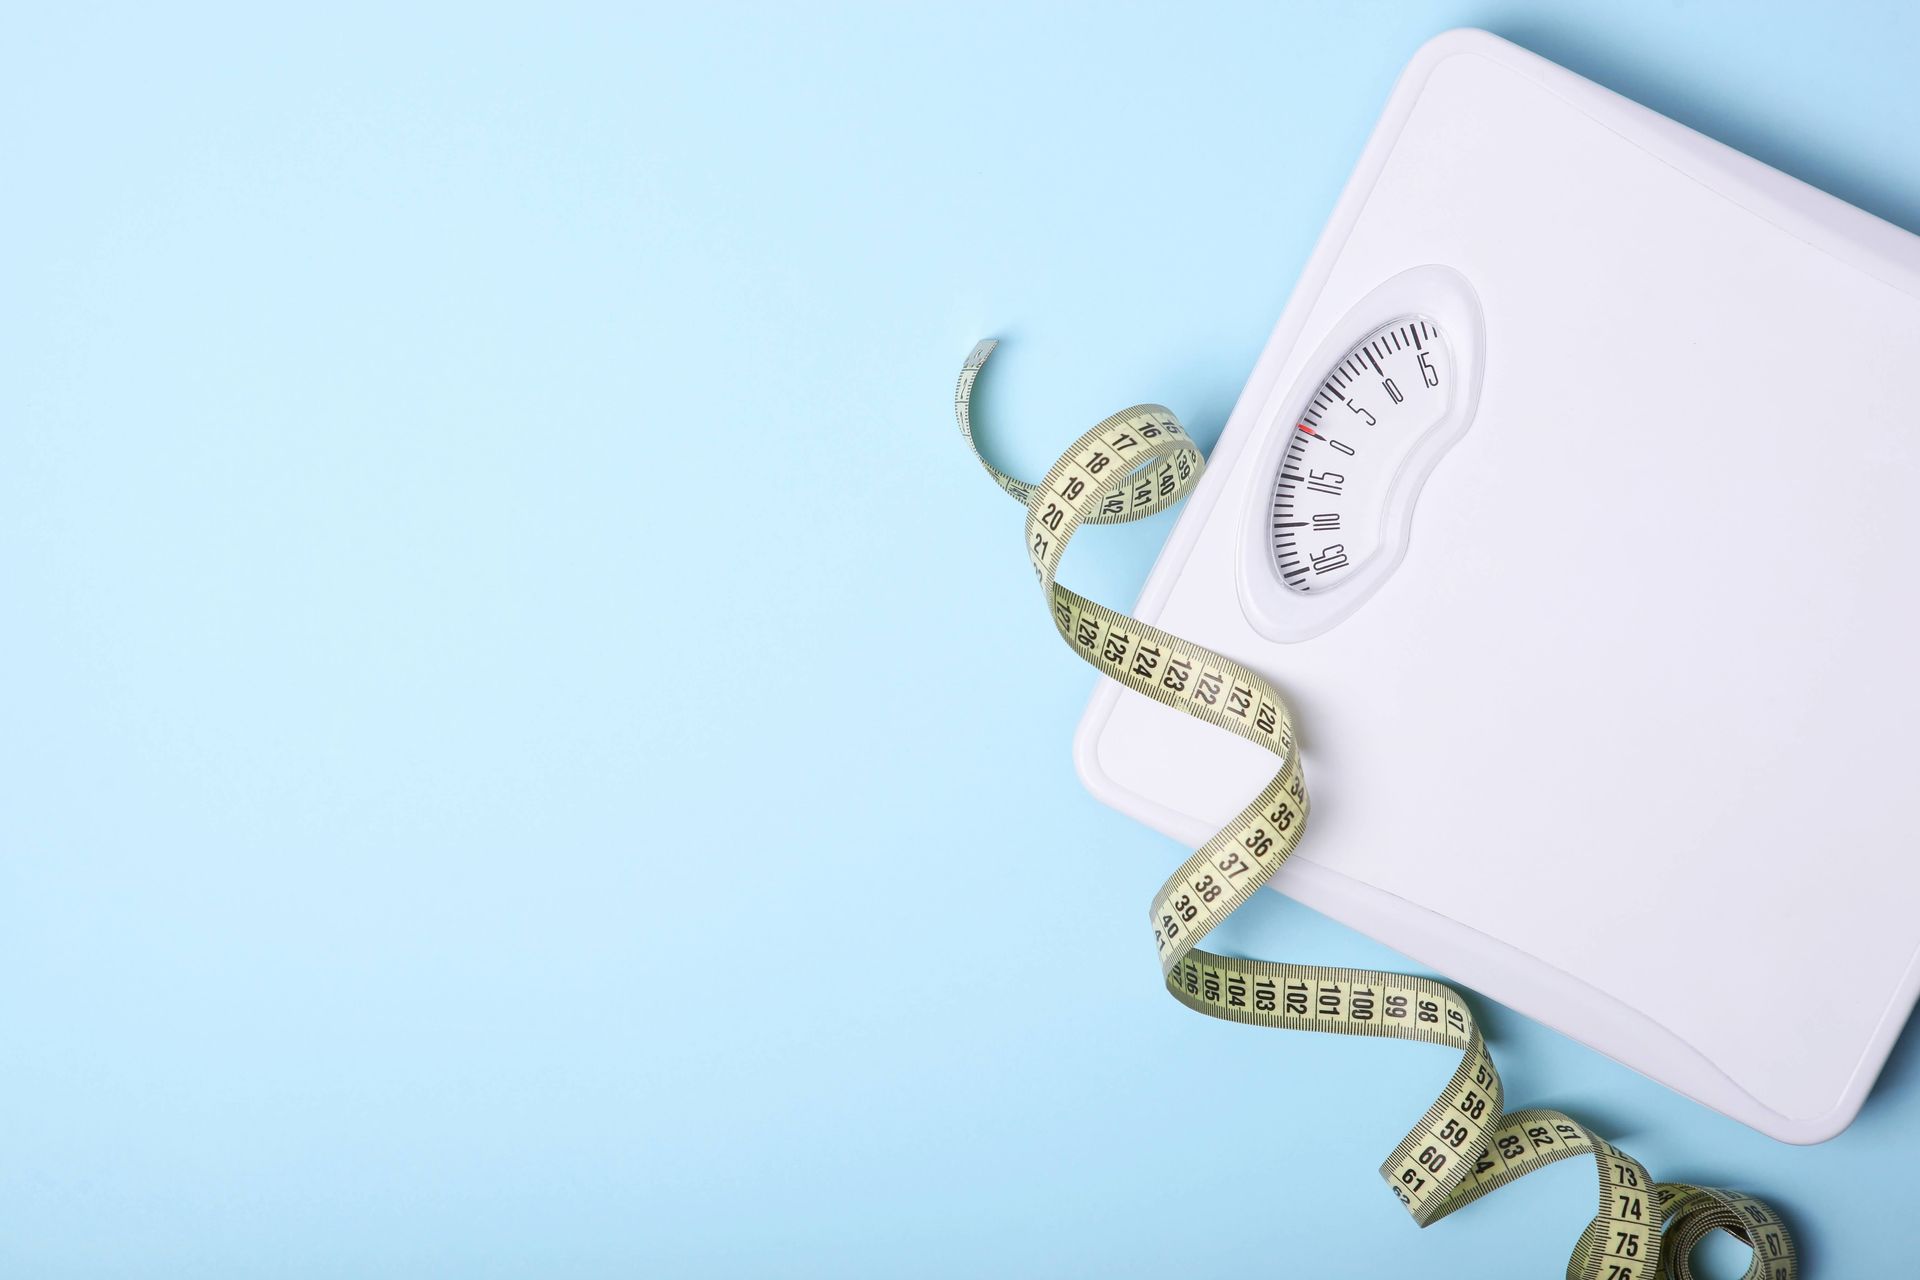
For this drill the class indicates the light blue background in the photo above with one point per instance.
(491, 596)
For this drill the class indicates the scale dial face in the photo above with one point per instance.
(1330, 496)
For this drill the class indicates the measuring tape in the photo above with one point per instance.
(1138, 462)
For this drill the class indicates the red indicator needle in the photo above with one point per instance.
(1310, 431)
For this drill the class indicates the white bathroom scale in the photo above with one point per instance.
(1578, 491)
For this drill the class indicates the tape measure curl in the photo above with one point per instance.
(1134, 464)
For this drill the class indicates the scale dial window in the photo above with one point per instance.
(1329, 505)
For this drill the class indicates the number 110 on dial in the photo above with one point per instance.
(1358, 427)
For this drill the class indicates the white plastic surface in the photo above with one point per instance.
(1675, 546)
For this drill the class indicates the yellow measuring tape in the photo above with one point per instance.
(1134, 464)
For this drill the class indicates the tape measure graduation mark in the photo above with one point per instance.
(1136, 463)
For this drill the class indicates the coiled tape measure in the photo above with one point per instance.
(1139, 462)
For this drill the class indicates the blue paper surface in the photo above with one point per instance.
(490, 589)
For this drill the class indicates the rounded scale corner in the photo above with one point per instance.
(1452, 43)
(1721, 1093)
(1822, 1128)
(1182, 827)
